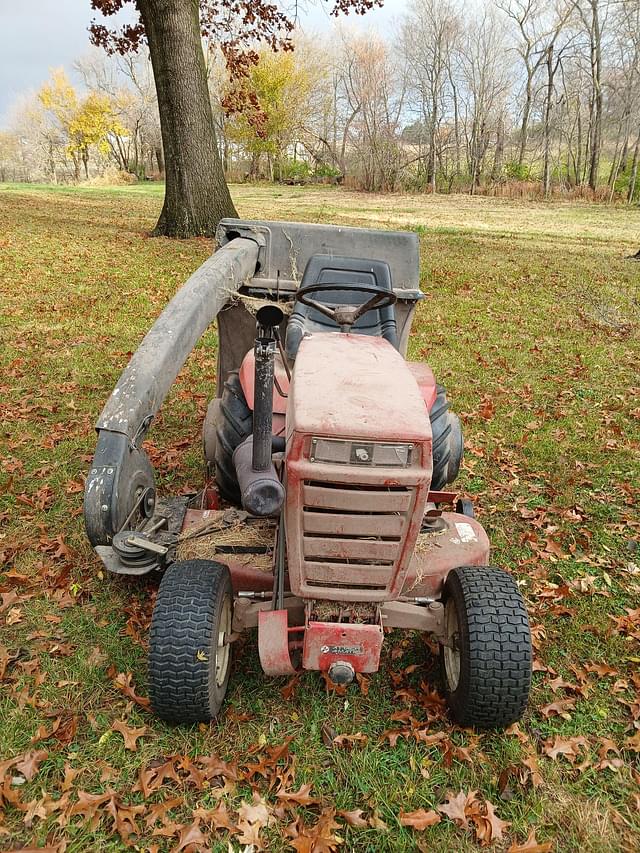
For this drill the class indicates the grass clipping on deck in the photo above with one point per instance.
(229, 528)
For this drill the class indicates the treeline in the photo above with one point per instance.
(530, 97)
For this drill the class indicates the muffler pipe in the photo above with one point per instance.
(261, 491)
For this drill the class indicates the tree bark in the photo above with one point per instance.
(196, 193)
(634, 172)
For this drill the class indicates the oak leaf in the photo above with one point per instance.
(531, 845)
(419, 819)
(489, 827)
(27, 764)
(129, 734)
(300, 797)
(455, 807)
(354, 818)
(569, 747)
(191, 836)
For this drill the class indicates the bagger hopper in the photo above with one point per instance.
(325, 519)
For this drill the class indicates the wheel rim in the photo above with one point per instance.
(451, 650)
(223, 647)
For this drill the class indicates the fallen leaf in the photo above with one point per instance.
(301, 797)
(531, 845)
(129, 734)
(27, 764)
(191, 835)
(454, 808)
(419, 819)
(560, 708)
(354, 818)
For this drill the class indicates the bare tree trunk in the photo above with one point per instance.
(524, 127)
(579, 147)
(633, 179)
(546, 171)
(498, 159)
(597, 98)
(456, 125)
(196, 193)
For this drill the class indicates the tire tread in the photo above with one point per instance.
(496, 676)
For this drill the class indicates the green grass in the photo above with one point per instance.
(532, 306)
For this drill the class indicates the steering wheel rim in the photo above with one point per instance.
(380, 298)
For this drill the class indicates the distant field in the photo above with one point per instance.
(531, 320)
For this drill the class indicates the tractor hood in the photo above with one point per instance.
(355, 386)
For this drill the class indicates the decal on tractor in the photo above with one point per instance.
(342, 650)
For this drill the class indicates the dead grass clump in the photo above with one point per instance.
(221, 532)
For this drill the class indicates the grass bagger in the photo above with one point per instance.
(327, 515)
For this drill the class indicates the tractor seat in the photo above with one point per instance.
(381, 322)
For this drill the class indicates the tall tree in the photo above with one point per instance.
(196, 193)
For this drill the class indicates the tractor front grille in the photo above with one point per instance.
(353, 535)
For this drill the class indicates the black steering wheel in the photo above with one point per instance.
(346, 315)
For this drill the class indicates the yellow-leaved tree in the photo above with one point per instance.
(267, 108)
(83, 123)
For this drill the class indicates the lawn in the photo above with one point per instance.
(531, 320)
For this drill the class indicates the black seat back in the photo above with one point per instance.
(380, 322)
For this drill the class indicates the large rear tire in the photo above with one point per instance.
(234, 423)
(447, 442)
(189, 644)
(487, 659)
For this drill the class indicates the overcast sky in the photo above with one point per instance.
(37, 35)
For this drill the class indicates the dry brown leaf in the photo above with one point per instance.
(560, 708)
(27, 764)
(191, 836)
(489, 827)
(419, 819)
(217, 818)
(258, 811)
(531, 845)
(319, 838)
(455, 806)
(569, 747)
(153, 777)
(88, 804)
(349, 740)
(123, 682)
(69, 775)
(354, 818)
(158, 811)
(300, 797)
(531, 763)
(214, 766)
(129, 734)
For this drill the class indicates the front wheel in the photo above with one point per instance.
(189, 645)
(487, 653)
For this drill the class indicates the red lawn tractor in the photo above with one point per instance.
(328, 515)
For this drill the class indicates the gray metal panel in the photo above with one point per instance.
(146, 380)
(287, 246)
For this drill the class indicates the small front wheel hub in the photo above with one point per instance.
(341, 672)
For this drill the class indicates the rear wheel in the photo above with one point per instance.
(447, 442)
(189, 645)
(233, 423)
(487, 655)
